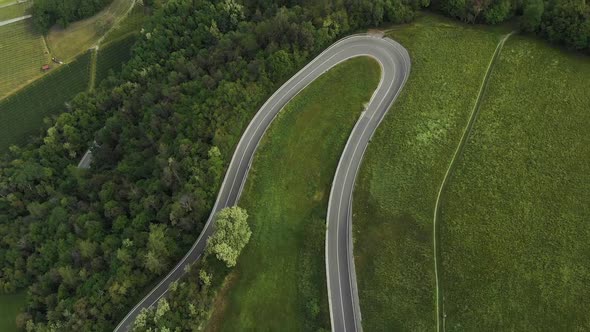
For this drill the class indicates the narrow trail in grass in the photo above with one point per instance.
(458, 151)
(92, 80)
(117, 23)
(96, 49)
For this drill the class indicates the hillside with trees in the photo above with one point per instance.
(87, 243)
(188, 305)
(46, 13)
(559, 21)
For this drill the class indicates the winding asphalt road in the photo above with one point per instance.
(343, 298)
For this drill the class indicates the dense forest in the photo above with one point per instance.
(188, 306)
(87, 243)
(559, 21)
(46, 13)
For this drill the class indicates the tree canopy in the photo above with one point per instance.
(560, 21)
(86, 243)
(231, 235)
(46, 13)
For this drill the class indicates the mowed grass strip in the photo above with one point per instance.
(22, 55)
(10, 306)
(514, 227)
(404, 167)
(21, 114)
(279, 283)
(14, 11)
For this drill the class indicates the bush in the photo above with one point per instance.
(231, 235)
(498, 12)
(532, 14)
(565, 22)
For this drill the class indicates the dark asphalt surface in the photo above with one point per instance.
(343, 298)
(345, 311)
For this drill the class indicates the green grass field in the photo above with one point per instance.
(514, 227)
(14, 11)
(21, 114)
(68, 43)
(403, 169)
(130, 25)
(113, 55)
(10, 305)
(22, 53)
(279, 283)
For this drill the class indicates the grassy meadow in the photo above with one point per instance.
(14, 11)
(10, 306)
(132, 24)
(404, 166)
(22, 54)
(279, 283)
(514, 226)
(79, 36)
(21, 114)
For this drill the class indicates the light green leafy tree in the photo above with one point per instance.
(205, 277)
(156, 258)
(231, 235)
(140, 320)
(163, 308)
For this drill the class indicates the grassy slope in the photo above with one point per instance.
(67, 43)
(132, 24)
(22, 114)
(515, 226)
(404, 166)
(10, 305)
(14, 11)
(22, 54)
(282, 269)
